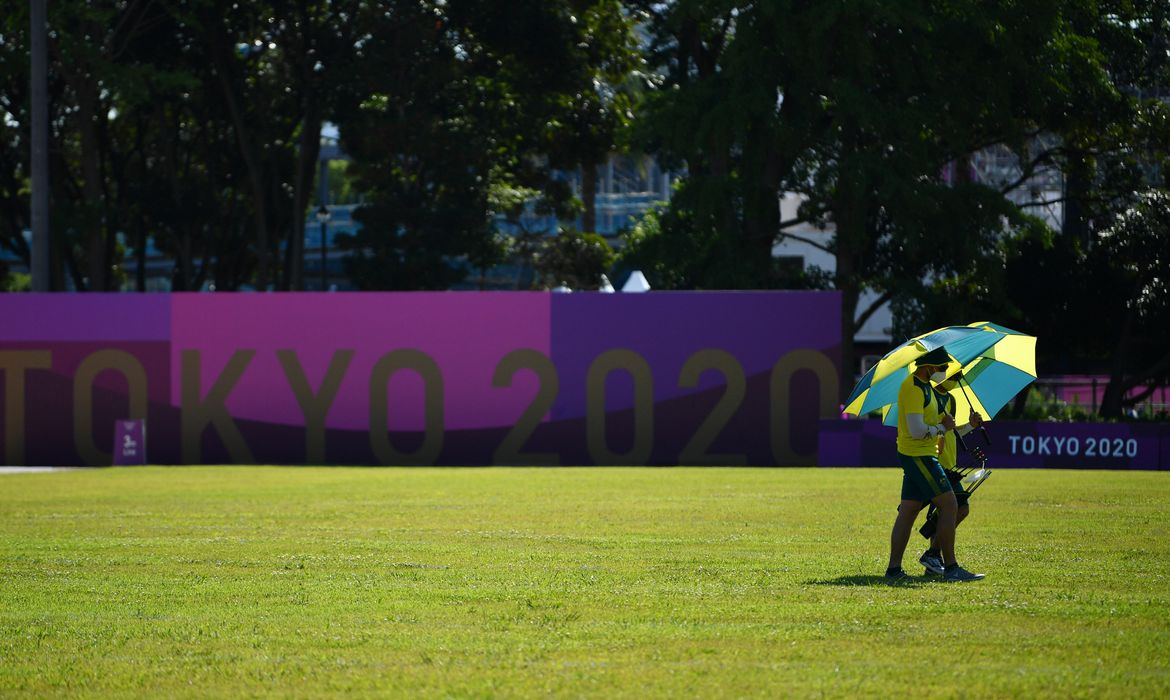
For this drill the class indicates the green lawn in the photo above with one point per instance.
(230, 582)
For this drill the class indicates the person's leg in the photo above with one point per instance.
(947, 512)
(960, 515)
(900, 535)
(922, 480)
(952, 570)
(947, 503)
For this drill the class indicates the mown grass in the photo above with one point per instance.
(232, 582)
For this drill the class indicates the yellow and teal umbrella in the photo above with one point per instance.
(878, 388)
(991, 379)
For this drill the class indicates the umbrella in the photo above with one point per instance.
(879, 386)
(991, 379)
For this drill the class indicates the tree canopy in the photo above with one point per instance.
(859, 107)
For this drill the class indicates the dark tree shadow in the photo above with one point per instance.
(878, 580)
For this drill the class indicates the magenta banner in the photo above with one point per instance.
(1023, 444)
(421, 378)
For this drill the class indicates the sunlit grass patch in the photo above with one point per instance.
(230, 581)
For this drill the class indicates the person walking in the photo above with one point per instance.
(921, 422)
(948, 457)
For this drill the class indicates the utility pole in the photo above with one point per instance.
(39, 264)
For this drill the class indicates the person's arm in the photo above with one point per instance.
(919, 429)
(975, 422)
(912, 403)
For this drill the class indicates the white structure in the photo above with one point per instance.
(802, 248)
(636, 283)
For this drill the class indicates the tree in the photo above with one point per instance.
(1107, 152)
(89, 73)
(471, 97)
(857, 106)
(135, 148)
(575, 259)
(195, 125)
(14, 146)
(422, 152)
(278, 69)
(1138, 248)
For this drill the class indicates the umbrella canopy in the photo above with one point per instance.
(991, 379)
(878, 388)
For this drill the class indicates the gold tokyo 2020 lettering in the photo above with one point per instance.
(200, 410)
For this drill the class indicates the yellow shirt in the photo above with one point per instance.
(948, 444)
(917, 396)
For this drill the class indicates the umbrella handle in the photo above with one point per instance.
(971, 407)
(963, 385)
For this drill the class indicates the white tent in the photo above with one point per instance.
(636, 283)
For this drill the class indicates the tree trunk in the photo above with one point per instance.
(762, 211)
(1111, 399)
(846, 283)
(72, 269)
(60, 262)
(182, 278)
(849, 218)
(761, 224)
(252, 162)
(307, 155)
(259, 206)
(140, 255)
(1118, 386)
(93, 225)
(1075, 225)
(589, 197)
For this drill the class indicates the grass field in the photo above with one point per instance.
(228, 582)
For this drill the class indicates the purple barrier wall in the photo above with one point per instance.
(421, 378)
(1030, 445)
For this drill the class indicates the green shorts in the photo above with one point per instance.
(923, 478)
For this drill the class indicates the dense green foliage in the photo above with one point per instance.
(1111, 155)
(860, 109)
(195, 124)
(575, 259)
(476, 97)
(253, 581)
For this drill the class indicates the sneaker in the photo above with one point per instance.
(959, 574)
(932, 562)
(897, 576)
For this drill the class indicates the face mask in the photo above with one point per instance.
(938, 377)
